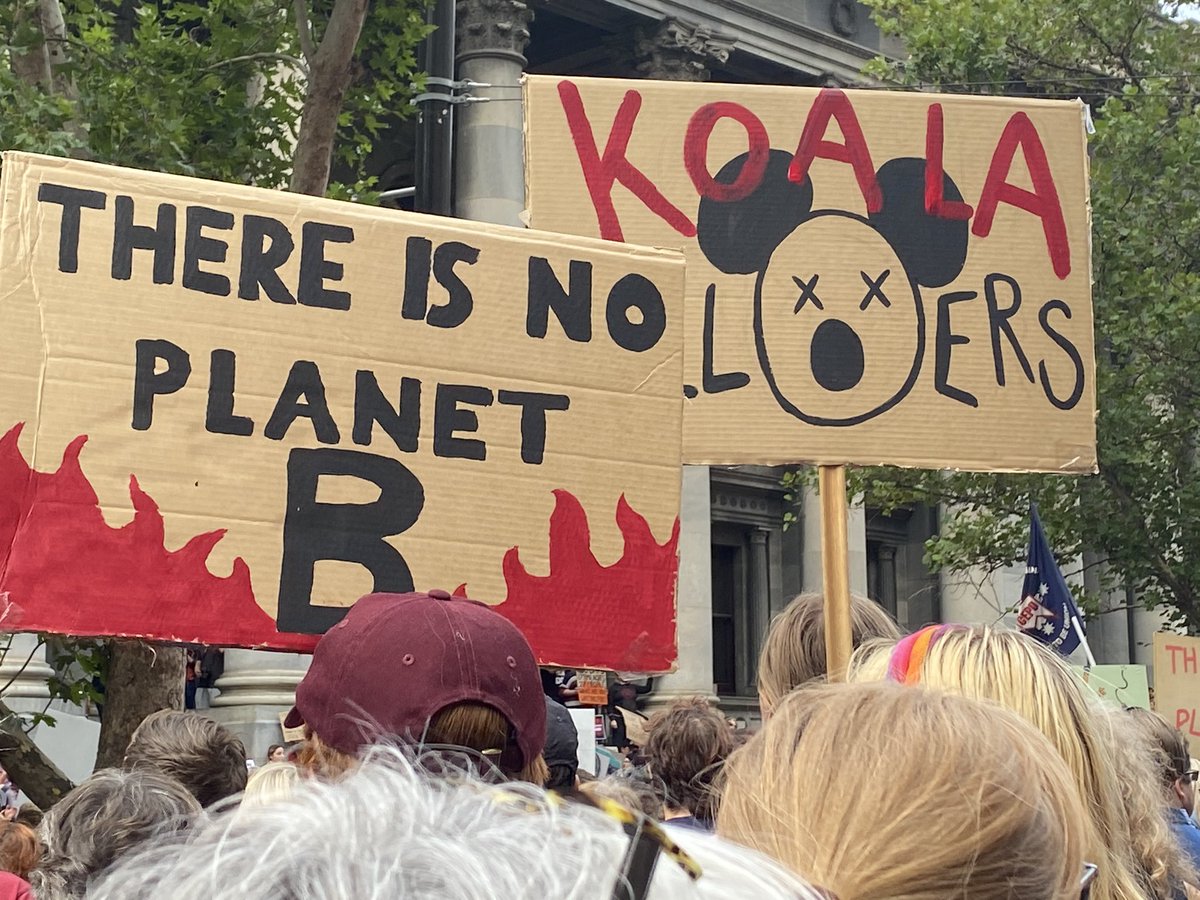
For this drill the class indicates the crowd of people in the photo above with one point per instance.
(956, 762)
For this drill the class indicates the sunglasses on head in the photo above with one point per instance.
(647, 842)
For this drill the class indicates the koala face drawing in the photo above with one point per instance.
(840, 336)
(839, 342)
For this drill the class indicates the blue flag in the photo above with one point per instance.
(1047, 607)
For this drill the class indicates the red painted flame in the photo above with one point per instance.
(64, 569)
(586, 615)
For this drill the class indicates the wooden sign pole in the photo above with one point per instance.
(835, 569)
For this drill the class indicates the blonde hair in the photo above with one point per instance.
(989, 663)
(966, 800)
(273, 782)
(471, 726)
(793, 652)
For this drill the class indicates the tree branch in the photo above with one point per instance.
(251, 57)
(304, 30)
(41, 780)
(327, 84)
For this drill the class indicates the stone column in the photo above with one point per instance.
(489, 168)
(760, 592)
(856, 540)
(679, 52)
(694, 675)
(255, 688)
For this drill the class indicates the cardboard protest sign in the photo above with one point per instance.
(1125, 686)
(1177, 680)
(873, 277)
(227, 413)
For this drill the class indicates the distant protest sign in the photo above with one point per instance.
(229, 412)
(873, 277)
(1123, 685)
(1177, 680)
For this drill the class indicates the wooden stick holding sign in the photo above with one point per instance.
(835, 569)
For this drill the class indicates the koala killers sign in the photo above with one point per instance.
(872, 277)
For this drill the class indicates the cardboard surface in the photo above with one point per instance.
(1177, 680)
(831, 317)
(593, 687)
(1123, 685)
(223, 405)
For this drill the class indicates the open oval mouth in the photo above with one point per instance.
(836, 356)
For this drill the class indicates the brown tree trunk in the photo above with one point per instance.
(142, 678)
(329, 75)
(37, 776)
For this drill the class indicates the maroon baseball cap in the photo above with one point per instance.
(396, 660)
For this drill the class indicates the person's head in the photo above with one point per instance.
(1171, 755)
(428, 671)
(110, 814)
(687, 744)
(1140, 763)
(562, 747)
(793, 652)
(273, 782)
(1022, 675)
(200, 754)
(20, 849)
(631, 792)
(965, 799)
(389, 829)
(276, 753)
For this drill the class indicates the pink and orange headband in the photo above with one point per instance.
(909, 653)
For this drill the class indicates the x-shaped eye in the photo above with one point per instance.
(808, 291)
(875, 289)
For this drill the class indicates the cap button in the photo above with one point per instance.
(439, 594)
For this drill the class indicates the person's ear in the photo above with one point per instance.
(1179, 789)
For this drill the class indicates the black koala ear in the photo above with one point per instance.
(739, 236)
(934, 250)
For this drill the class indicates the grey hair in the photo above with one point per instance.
(387, 830)
(105, 817)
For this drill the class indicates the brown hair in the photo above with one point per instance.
(1168, 745)
(194, 750)
(20, 849)
(965, 798)
(688, 743)
(794, 650)
(472, 726)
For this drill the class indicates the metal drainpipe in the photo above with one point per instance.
(435, 141)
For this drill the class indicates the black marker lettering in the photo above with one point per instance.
(72, 200)
(943, 342)
(220, 417)
(261, 260)
(402, 422)
(315, 269)
(198, 248)
(303, 383)
(128, 237)
(349, 532)
(460, 304)
(534, 406)
(572, 308)
(1068, 348)
(148, 384)
(448, 419)
(998, 322)
(713, 383)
